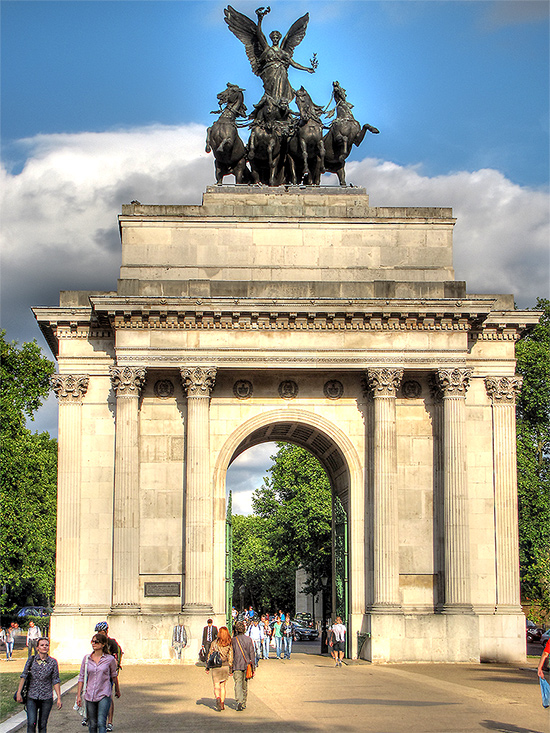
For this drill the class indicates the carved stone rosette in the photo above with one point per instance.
(503, 390)
(127, 381)
(384, 382)
(70, 387)
(454, 382)
(198, 381)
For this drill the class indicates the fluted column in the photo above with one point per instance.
(127, 383)
(454, 384)
(384, 384)
(69, 389)
(503, 392)
(198, 383)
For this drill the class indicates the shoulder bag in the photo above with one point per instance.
(214, 660)
(26, 683)
(249, 667)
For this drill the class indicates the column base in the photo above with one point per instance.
(384, 608)
(457, 609)
(126, 609)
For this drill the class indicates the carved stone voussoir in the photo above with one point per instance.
(454, 382)
(127, 381)
(384, 382)
(70, 387)
(198, 381)
(503, 390)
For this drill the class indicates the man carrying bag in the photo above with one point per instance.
(243, 663)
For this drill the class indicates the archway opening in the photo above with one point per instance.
(289, 549)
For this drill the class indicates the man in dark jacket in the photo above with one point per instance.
(243, 655)
(209, 634)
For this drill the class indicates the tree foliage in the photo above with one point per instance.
(28, 480)
(291, 528)
(533, 449)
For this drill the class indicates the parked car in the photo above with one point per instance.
(304, 633)
(305, 619)
(39, 611)
(532, 631)
(545, 637)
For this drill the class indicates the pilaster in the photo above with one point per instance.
(69, 389)
(503, 392)
(127, 383)
(384, 383)
(198, 383)
(454, 385)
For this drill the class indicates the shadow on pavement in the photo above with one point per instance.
(371, 701)
(506, 727)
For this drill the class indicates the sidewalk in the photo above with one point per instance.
(307, 693)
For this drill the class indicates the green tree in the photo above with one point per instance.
(295, 500)
(265, 583)
(533, 450)
(28, 480)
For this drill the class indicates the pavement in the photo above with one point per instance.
(308, 693)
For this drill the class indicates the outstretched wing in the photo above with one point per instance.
(247, 32)
(295, 34)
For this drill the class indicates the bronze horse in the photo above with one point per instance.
(266, 144)
(306, 148)
(222, 138)
(344, 132)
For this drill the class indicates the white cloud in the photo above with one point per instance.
(246, 474)
(502, 235)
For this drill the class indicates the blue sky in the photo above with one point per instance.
(107, 101)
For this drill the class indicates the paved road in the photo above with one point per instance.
(307, 693)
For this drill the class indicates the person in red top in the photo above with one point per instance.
(543, 658)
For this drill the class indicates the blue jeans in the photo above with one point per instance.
(257, 649)
(9, 649)
(288, 646)
(38, 710)
(278, 642)
(96, 713)
(265, 647)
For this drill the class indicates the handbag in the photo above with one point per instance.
(214, 660)
(25, 689)
(249, 668)
(545, 692)
(202, 654)
(81, 709)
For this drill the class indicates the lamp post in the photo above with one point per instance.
(324, 644)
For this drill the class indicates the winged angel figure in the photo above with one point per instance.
(270, 63)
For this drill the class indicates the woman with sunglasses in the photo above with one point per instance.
(98, 672)
(44, 674)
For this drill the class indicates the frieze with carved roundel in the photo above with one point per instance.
(164, 388)
(243, 389)
(288, 390)
(333, 389)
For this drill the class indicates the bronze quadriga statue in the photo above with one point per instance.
(284, 146)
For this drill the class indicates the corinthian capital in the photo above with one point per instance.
(69, 387)
(127, 381)
(198, 381)
(453, 382)
(503, 390)
(384, 382)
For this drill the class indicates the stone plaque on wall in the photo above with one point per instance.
(162, 589)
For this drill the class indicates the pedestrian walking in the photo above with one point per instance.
(267, 637)
(43, 671)
(99, 671)
(256, 633)
(209, 634)
(338, 641)
(243, 655)
(113, 648)
(33, 634)
(543, 664)
(287, 631)
(11, 633)
(277, 635)
(220, 675)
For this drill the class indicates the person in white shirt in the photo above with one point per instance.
(338, 641)
(33, 634)
(256, 633)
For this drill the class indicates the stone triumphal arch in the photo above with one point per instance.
(303, 315)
